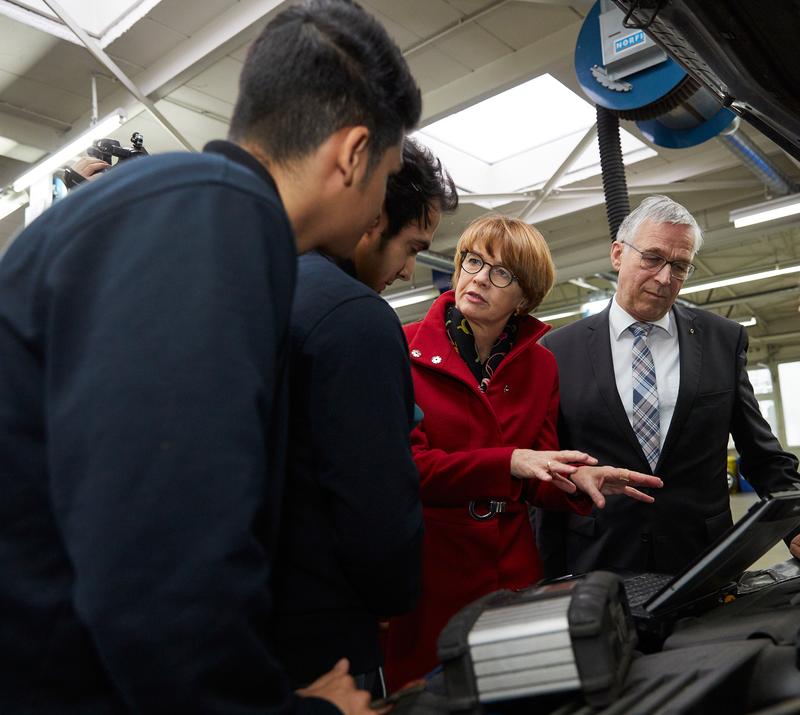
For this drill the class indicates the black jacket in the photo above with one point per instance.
(143, 323)
(352, 530)
(715, 398)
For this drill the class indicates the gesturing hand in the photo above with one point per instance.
(596, 481)
(554, 466)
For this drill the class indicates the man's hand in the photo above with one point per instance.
(338, 687)
(597, 481)
(89, 167)
(549, 466)
(794, 547)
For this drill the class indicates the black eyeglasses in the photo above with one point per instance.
(500, 276)
(653, 262)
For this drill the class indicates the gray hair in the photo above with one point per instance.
(658, 209)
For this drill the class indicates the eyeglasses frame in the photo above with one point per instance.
(691, 269)
(491, 266)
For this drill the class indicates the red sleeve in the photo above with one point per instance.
(456, 477)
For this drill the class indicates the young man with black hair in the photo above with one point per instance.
(351, 537)
(143, 396)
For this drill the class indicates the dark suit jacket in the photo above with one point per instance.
(715, 398)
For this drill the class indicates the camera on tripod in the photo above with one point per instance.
(105, 150)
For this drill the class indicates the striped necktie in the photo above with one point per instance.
(646, 422)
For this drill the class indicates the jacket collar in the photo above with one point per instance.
(430, 347)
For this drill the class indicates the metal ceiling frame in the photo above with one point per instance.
(99, 54)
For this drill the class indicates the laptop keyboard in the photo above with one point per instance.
(641, 587)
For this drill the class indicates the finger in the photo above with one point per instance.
(645, 480)
(564, 484)
(542, 474)
(559, 468)
(636, 494)
(571, 455)
(337, 671)
(594, 494)
(342, 666)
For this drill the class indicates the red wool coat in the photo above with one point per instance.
(462, 449)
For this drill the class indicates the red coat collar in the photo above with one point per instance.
(430, 346)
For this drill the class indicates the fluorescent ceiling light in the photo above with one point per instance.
(558, 316)
(749, 278)
(748, 322)
(767, 211)
(411, 297)
(517, 139)
(10, 203)
(76, 146)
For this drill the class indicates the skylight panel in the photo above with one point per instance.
(516, 140)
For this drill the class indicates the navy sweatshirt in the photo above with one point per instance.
(143, 326)
(352, 528)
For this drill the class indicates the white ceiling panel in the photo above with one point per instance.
(173, 14)
(145, 43)
(421, 17)
(473, 46)
(432, 68)
(220, 81)
(520, 24)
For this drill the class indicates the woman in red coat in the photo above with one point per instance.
(487, 444)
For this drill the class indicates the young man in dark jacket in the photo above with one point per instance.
(143, 327)
(351, 537)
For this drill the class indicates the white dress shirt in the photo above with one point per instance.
(663, 344)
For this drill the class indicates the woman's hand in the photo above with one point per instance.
(596, 481)
(554, 466)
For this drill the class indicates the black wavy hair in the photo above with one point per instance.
(317, 67)
(420, 187)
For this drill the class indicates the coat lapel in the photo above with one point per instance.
(690, 342)
(598, 345)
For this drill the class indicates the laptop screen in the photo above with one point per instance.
(763, 526)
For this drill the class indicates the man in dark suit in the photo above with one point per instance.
(657, 387)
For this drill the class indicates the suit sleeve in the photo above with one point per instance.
(763, 462)
(543, 494)
(367, 471)
(551, 524)
(161, 382)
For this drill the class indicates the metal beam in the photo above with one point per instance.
(218, 38)
(530, 208)
(94, 48)
(38, 22)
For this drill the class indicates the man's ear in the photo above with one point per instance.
(616, 254)
(374, 232)
(352, 157)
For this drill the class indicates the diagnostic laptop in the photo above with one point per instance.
(722, 564)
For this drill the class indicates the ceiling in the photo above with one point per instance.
(186, 56)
